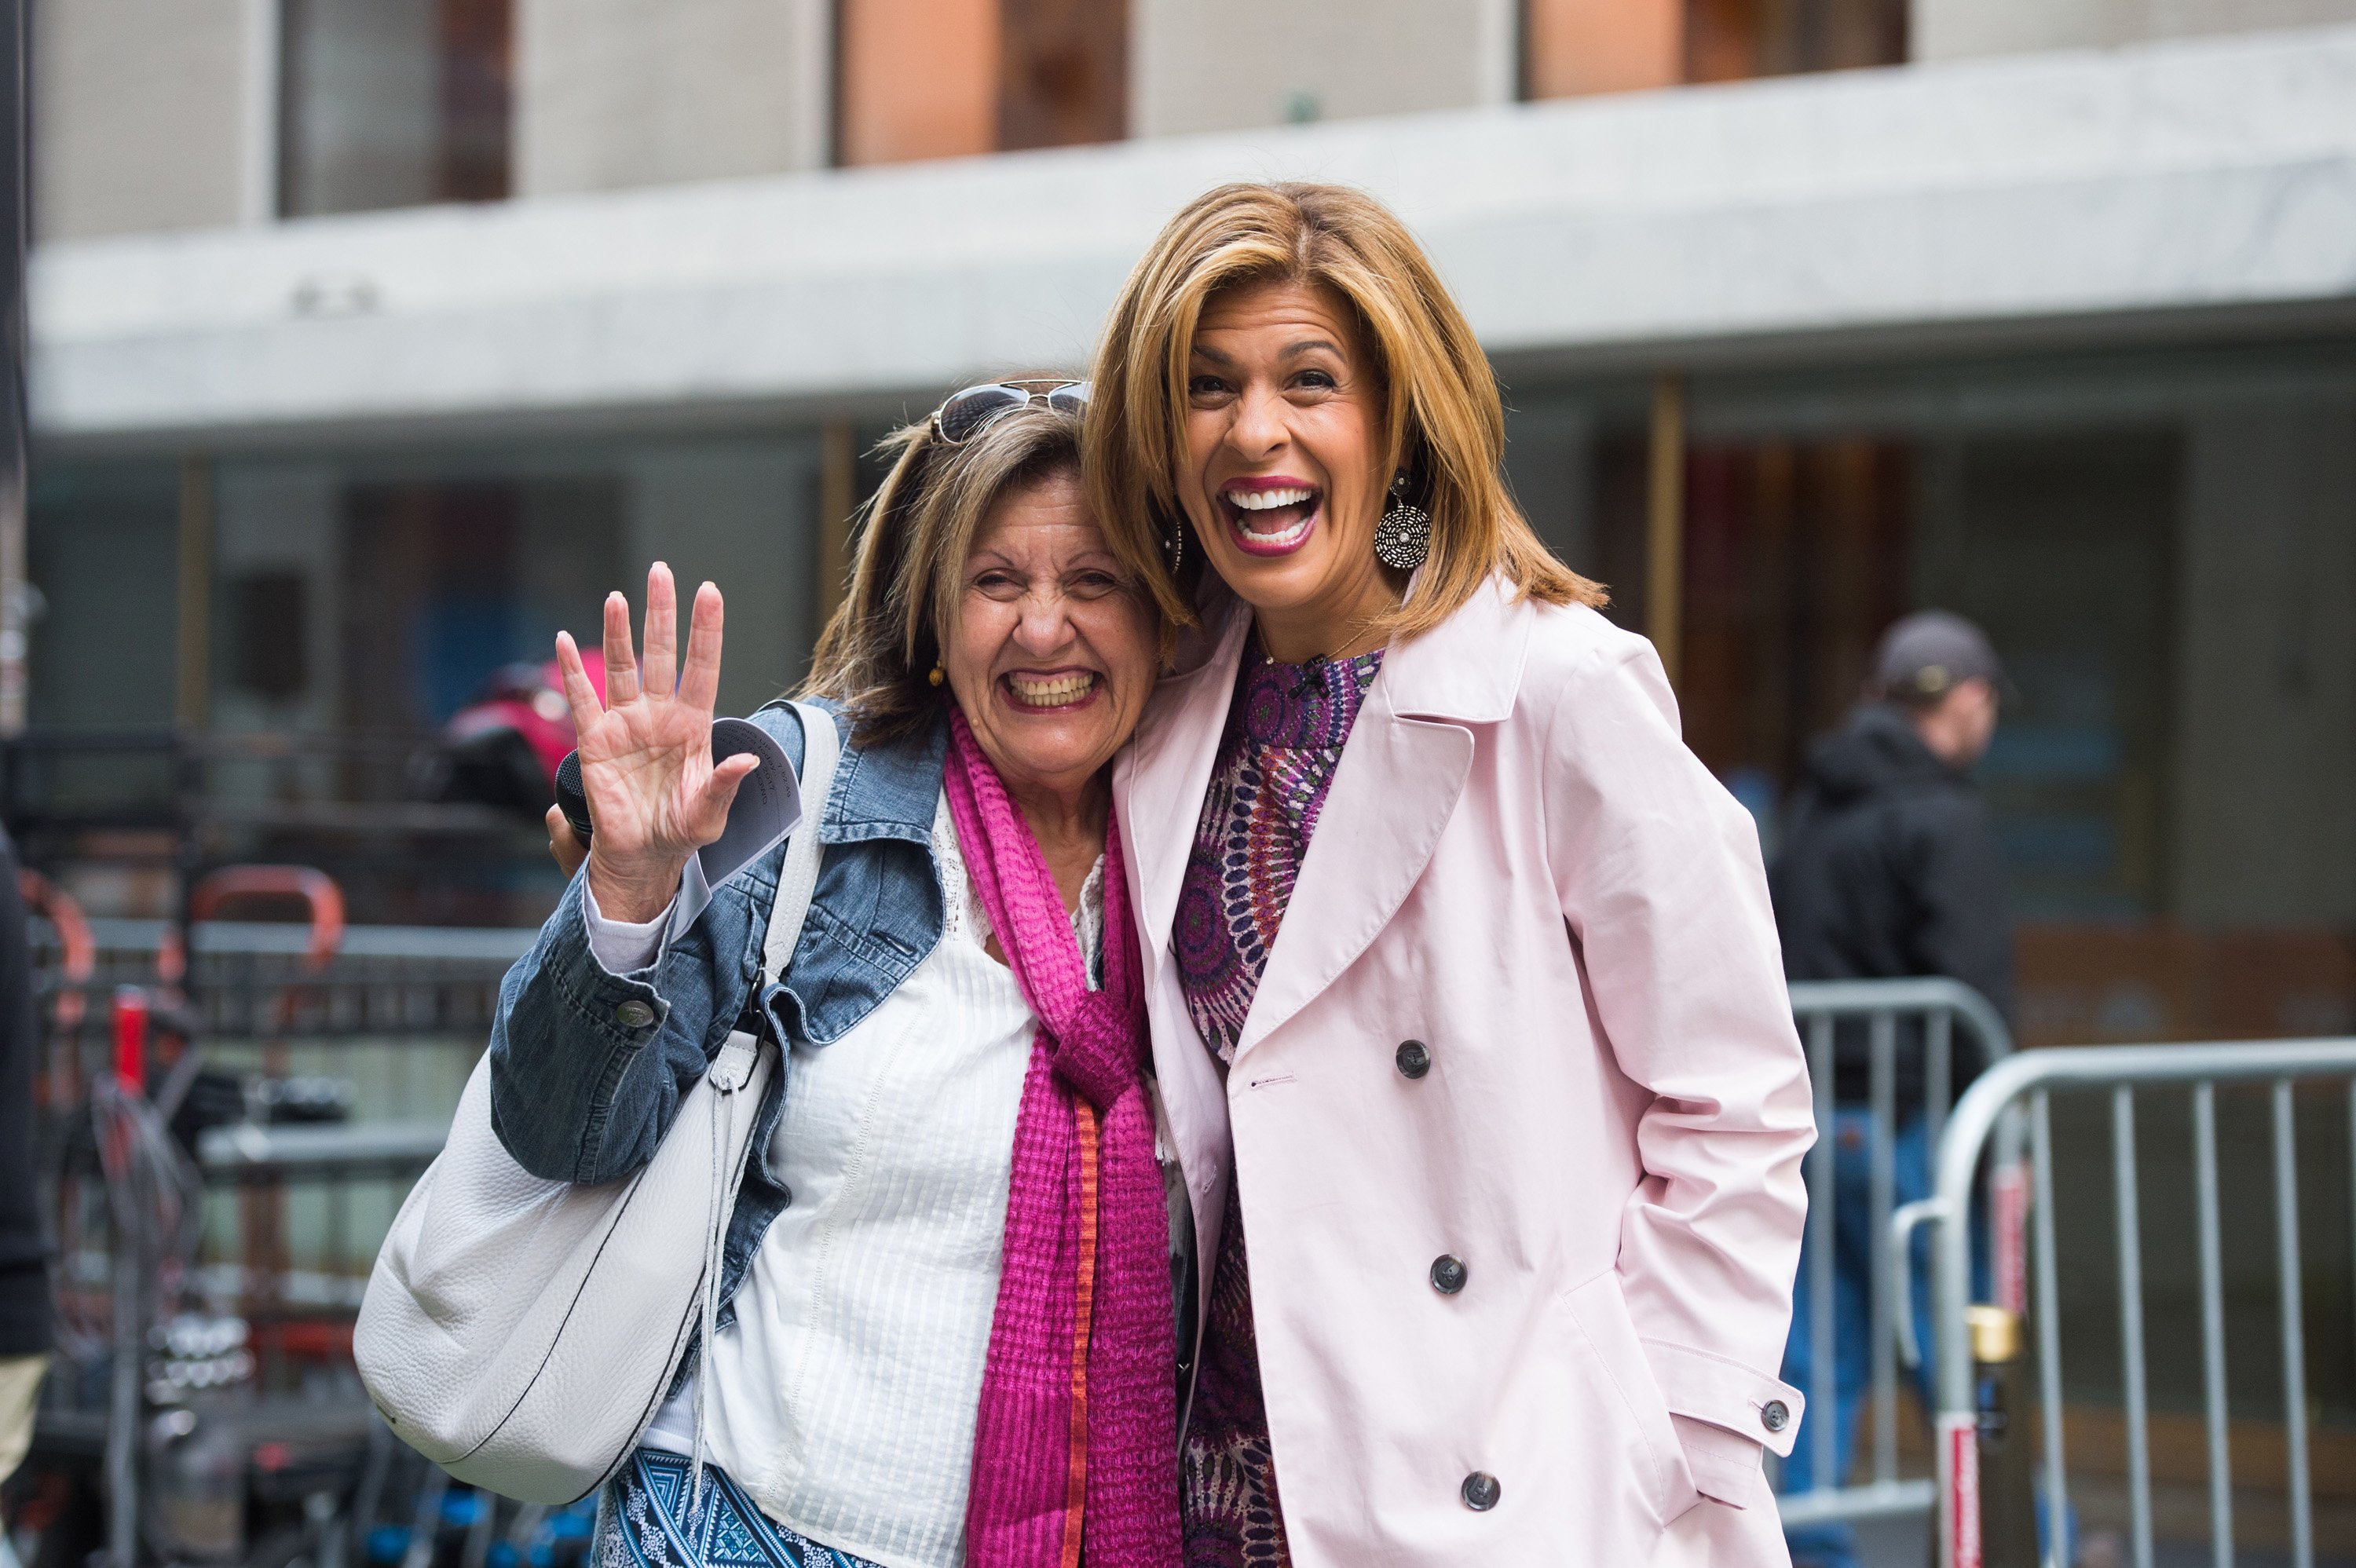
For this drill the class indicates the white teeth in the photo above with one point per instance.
(1266, 500)
(1295, 530)
(1053, 693)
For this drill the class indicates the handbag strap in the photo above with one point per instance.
(796, 881)
(797, 878)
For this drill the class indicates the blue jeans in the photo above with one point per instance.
(1835, 1545)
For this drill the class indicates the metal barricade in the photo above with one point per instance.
(392, 1021)
(224, 1133)
(1925, 1016)
(2027, 1081)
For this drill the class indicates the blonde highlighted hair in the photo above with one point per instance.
(1444, 423)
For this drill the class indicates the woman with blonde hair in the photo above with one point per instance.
(1465, 996)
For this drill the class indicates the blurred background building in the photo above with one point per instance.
(374, 339)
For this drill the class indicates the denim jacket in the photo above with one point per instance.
(581, 1094)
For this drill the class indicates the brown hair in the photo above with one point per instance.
(878, 650)
(1444, 423)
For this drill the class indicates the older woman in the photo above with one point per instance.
(1465, 990)
(949, 1328)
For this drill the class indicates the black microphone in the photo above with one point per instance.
(571, 799)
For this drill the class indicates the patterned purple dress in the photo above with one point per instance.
(1284, 735)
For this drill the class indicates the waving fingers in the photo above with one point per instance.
(621, 664)
(579, 694)
(660, 674)
(698, 680)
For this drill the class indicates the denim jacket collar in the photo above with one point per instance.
(890, 791)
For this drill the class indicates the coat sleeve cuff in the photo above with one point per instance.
(1711, 1389)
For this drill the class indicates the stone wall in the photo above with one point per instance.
(616, 94)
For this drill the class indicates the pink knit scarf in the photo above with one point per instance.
(1076, 1445)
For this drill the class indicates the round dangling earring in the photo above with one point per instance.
(937, 674)
(1403, 533)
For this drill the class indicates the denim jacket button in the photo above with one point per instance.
(633, 1014)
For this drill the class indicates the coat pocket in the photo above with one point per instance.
(1600, 1312)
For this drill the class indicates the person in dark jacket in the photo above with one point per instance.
(24, 1272)
(1888, 870)
(1888, 866)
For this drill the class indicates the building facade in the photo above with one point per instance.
(374, 342)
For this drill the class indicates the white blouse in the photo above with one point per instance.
(844, 1394)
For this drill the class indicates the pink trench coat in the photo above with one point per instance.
(1520, 865)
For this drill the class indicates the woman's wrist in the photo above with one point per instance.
(633, 895)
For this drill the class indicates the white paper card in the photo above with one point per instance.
(768, 803)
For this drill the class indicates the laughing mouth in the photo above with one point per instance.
(1270, 520)
(1066, 689)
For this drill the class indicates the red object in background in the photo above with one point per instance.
(78, 948)
(2008, 1192)
(1959, 1440)
(528, 700)
(307, 1340)
(131, 1037)
(318, 890)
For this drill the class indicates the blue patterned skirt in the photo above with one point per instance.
(645, 1521)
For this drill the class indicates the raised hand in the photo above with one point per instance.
(646, 751)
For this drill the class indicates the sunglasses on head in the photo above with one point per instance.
(966, 414)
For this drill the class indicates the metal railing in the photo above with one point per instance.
(1923, 1017)
(2029, 1081)
(391, 1020)
(282, 1085)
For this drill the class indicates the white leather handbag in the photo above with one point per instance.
(523, 1333)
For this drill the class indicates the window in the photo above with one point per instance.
(392, 103)
(103, 547)
(445, 582)
(1572, 47)
(1727, 40)
(940, 79)
(1063, 76)
(2157, 544)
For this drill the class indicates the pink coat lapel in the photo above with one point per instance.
(1400, 775)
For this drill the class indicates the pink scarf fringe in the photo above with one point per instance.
(1076, 1446)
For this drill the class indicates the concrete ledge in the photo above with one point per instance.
(2183, 177)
